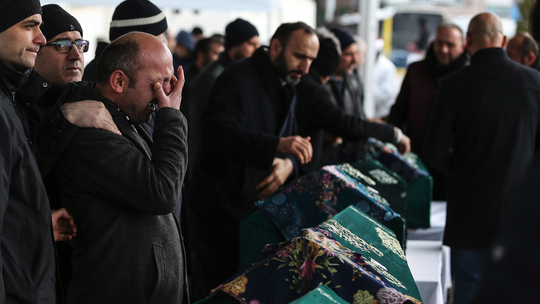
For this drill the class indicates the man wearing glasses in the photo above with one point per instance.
(58, 62)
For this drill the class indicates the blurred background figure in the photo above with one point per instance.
(197, 34)
(385, 87)
(183, 52)
(169, 39)
(523, 49)
(206, 51)
(241, 40)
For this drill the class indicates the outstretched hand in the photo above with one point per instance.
(64, 227)
(169, 95)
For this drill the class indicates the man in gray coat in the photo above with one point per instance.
(122, 190)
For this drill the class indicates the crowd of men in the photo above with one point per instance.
(102, 163)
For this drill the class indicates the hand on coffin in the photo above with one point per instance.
(281, 171)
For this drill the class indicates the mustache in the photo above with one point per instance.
(296, 72)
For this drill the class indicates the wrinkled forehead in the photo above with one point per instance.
(156, 61)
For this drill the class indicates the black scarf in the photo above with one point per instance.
(438, 70)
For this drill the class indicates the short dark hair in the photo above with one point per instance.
(529, 45)
(204, 45)
(122, 54)
(284, 31)
(197, 31)
(449, 25)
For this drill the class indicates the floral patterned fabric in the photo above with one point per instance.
(412, 170)
(318, 196)
(373, 271)
(387, 182)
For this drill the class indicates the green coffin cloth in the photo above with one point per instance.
(358, 232)
(256, 231)
(321, 295)
(218, 297)
(413, 171)
(387, 182)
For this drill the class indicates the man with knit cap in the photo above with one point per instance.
(241, 40)
(316, 112)
(346, 89)
(27, 248)
(183, 51)
(129, 16)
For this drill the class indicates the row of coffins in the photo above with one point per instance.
(342, 226)
(352, 254)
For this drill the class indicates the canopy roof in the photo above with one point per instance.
(249, 5)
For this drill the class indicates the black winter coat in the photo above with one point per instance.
(27, 246)
(246, 109)
(492, 110)
(121, 191)
(316, 111)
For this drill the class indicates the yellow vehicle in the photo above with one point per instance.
(407, 31)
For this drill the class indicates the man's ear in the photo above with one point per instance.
(118, 81)
(529, 59)
(504, 41)
(275, 49)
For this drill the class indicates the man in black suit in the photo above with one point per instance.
(249, 147)
(491, 111)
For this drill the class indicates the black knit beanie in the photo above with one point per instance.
(327, 61)
(345, 38)
(137, 15)
(239, 31)
(15, 11)
(56, 21)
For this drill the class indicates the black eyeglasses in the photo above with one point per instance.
(64, 46)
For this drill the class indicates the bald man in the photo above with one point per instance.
(523, 49)
(122, 189)
(491, 111)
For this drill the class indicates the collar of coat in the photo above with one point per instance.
(85, 90)
(11, 80)
(489, 55)
(271, 79)
(438, 70)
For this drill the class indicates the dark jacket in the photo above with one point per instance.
(517, 241)
(242, 126)
(316, 112)
(410, 112)
(195, 104)
(46, 125)
(121, 191)
(348, 95)
(27, 246)
(90, 71)
(492, 110)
